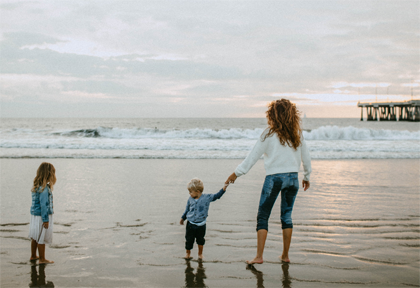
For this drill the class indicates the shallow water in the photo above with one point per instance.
(117, 225)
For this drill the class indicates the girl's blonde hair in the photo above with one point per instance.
(284, 120)
(195, 185)
(45, 174)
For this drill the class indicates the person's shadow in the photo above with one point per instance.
(38, 280)
(195, 279)
(287, 283)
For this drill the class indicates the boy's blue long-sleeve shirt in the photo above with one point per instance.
(196, 211)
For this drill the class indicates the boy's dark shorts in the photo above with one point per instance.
(194, 232)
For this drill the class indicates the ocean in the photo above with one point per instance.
(201, 138)
(121, 190)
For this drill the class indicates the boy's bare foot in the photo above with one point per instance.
(256, 260)
(45, 261)
(33, 258)
(188, 256)
(200, 257)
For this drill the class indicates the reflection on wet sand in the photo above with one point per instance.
(287, 283)
(197, 279)
(39, 280)
(258, 274)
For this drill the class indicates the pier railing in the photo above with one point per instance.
(391, 111)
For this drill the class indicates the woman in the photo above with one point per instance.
(284, 149)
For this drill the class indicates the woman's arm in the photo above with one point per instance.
(307, 169)
(306, 161)
(252, 158)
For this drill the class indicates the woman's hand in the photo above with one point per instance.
(181, 221)
(305, 185)
(45, 225)
(231, 178)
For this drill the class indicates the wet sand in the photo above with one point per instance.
(117, 225)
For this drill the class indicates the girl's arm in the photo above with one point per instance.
(44, 200)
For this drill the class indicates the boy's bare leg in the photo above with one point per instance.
(287, 238)
(200, 251)
(41, 250)
(188, 255)
(34, 246)
(261, 237)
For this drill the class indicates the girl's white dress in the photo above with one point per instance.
(38, 232)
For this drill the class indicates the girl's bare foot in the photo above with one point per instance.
(34, 258)
(200, 257)
(45, 261)
(188, 256)
(257, 260)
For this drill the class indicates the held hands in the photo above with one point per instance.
(231, 178)
(181, 222)
(45, 224)
(305, 185)
(225, 186)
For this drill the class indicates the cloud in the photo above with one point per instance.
(147, 51)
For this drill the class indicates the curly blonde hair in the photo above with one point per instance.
(284, 120)
(44, 175)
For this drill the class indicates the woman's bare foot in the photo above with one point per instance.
(257, 260)
(45, 261)
(284, 259)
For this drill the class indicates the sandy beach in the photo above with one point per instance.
(117, 225)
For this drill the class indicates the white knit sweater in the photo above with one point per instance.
(277, 158)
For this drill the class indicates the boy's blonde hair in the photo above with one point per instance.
(195, 185)
(44, 175)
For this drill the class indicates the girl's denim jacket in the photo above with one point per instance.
(42, 203)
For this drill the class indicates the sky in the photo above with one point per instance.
(127, 58)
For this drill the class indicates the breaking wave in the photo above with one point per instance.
(321, 133)
(325, 142)
(138, 133)
(352, 133)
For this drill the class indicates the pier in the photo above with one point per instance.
(391, 111)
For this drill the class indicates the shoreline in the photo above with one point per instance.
(116, 224)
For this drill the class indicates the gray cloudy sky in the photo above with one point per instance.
(204, 58)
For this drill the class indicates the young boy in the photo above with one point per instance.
(196, 213)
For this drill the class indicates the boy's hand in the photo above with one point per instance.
(224, 187)
(305, 185)
(181, 222)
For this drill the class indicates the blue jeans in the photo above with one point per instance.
(288, 185)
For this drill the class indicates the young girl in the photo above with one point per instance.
(284, 149)
(41, 225)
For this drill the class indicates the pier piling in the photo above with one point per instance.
(387, 111)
